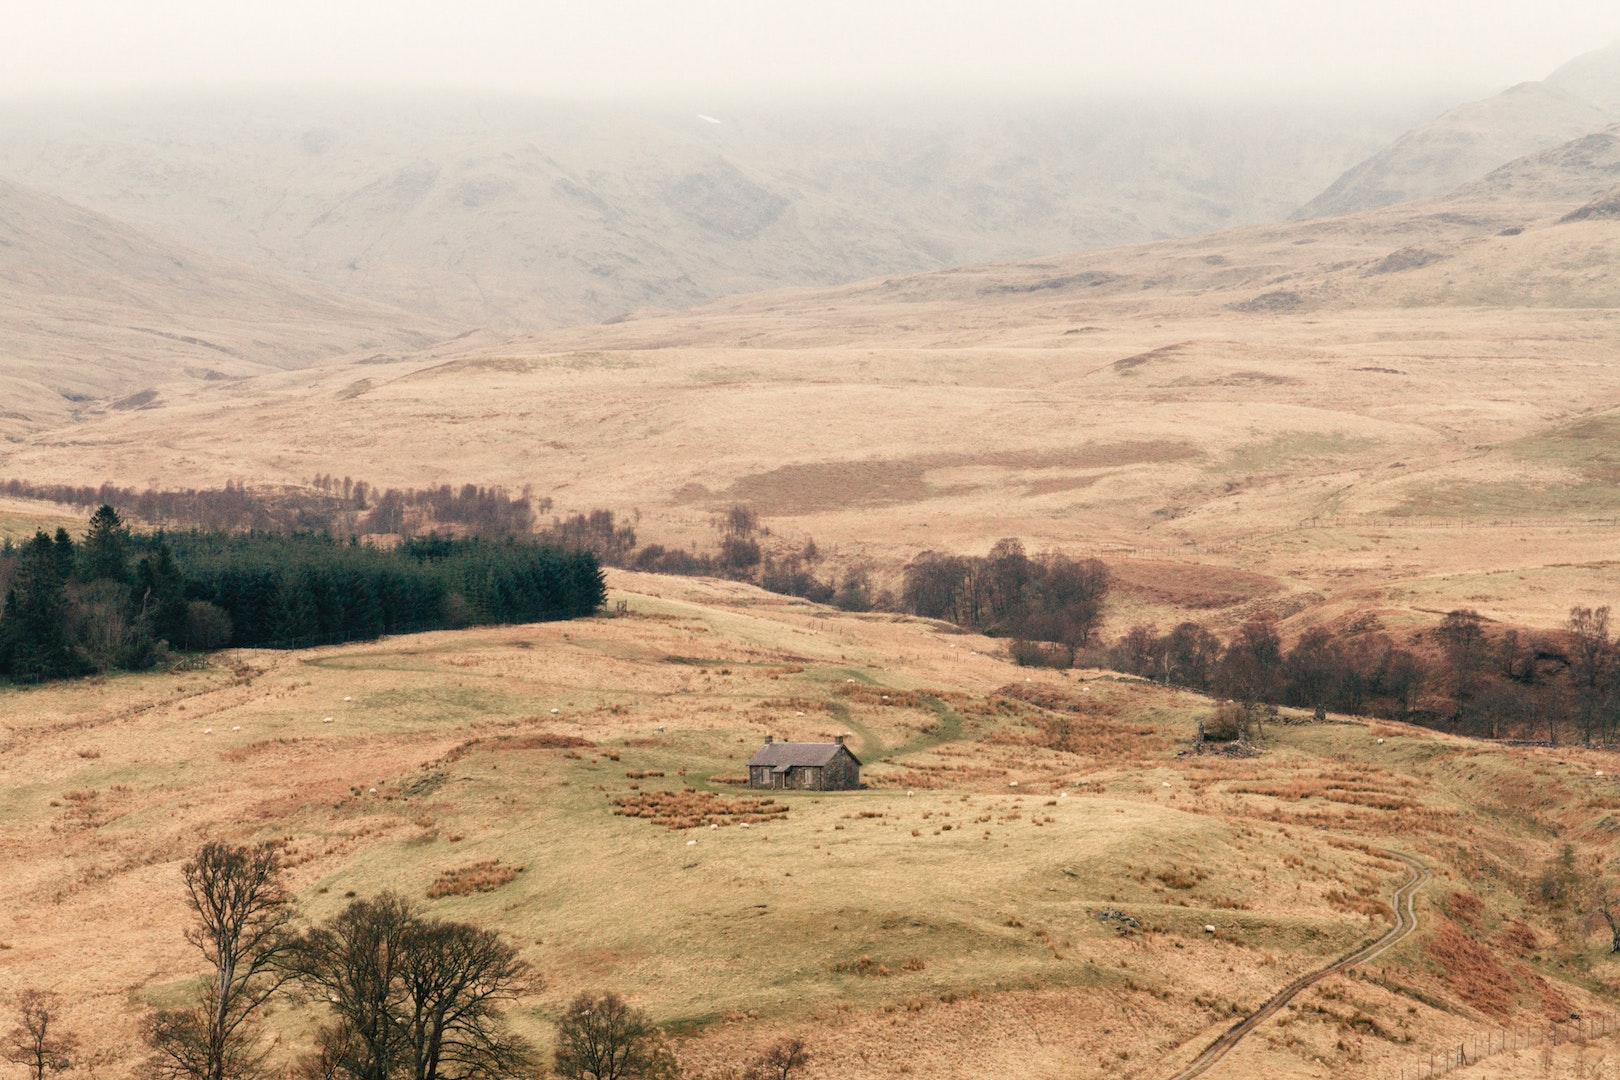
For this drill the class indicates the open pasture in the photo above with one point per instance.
(1024, 883)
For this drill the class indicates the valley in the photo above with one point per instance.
(1380, 413)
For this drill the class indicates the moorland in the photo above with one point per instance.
(1359, 423)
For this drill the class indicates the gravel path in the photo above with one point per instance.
(1405, 922)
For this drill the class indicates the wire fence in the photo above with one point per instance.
(1487, 1044)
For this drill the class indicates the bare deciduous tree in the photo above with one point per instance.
(1461, 635)
(779, 1061)
(353, 962)
(457, 978)
(415, 998)
(1608, 908)
(242, 929)
(1592, 656)
(37, 1042)
(604, 1038)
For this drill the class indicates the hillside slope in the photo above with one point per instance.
(1297, 408)
(92, 309)
(519, 214)
(1039, 877)
(1471, 140)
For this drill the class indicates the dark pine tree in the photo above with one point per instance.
(63, 555)
(34, 641)
(105, 551)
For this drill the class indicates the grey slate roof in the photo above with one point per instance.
(791, 755)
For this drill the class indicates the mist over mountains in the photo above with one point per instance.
(511, 213)
(157, 239)
(92, 308)
(1470, 140)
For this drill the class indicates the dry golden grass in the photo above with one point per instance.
(1399, 443)
(1376, 449)
(446, 770)
(691, 809)
(478, 877)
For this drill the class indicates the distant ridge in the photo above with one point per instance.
(1469, 141)
(92, 309)
(512, 213)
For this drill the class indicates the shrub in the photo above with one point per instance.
(478, 877)
(1229, 722)
(206, 628)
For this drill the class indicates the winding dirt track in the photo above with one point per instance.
(1405, 922)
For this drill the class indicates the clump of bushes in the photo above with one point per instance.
(1228, 723)
(690, 809)
(478, 877)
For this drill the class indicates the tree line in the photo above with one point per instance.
(341, 508)
(1050, 599)
(121, 600)
(401, 996)
(791, 570)
(1466, 675)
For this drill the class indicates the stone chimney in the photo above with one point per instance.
(769, 739)
(839, 739)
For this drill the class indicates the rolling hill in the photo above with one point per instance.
(1040, 877)
(1380, 411)
(1464, 143)
(94, 311)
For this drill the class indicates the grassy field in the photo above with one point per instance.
(21, 518)
(1273, 422)
(960, 916)
(1135, 403)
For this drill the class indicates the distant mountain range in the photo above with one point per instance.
(159, 243)
(517, 214)
(1463, 144)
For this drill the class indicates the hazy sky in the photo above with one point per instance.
(629, 47)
